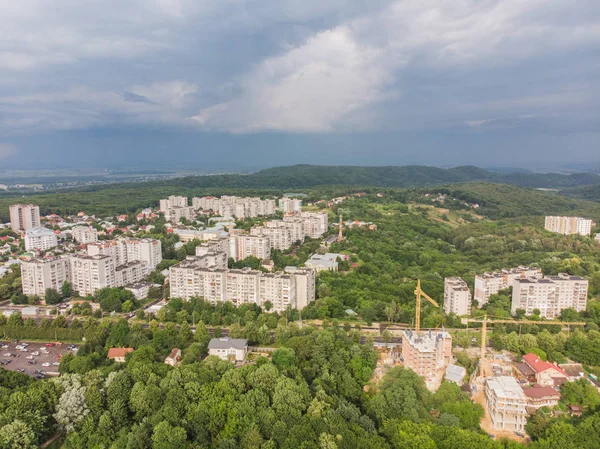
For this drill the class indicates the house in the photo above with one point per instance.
(574, 371)
(118, 354)
(575, 410)
(232, 349)
(546, 373)
(174, 357)
(524, 371)
(539, 396)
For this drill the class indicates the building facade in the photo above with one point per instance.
(506, 403)
(243, 246)
(457, 297)
(85, 234)
(41, 239)
(37, 275)
(488, 284)
(235, 207)
(92, 273)
(568, 225)
(24, 217)
(172, 202)
(305, 285)
(550, 295)
(290, 205)
(427, 352)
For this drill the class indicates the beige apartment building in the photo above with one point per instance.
(488, 284)
(279, 289)
(243, 246)
(427, 353)
(243, 286)
(37, 275)
(41, 239)
(84, 234)
(550, 295)
(314, 224)
(218, 245)
(305, 285)
(457, 297)
(92, 273)
(234, 206)
(172, 202)
(130, 273)
(569, 225)
(24, 217)
(506, 403)
(129, 249)
(278, 232)
(290, 205)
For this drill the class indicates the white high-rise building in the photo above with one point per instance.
(129, 249)
(41, 239)
(234, 206)
(175, 214)
(287, 204)
(305, 285)
(278, 232)
(24, 217)
(457, 297)
(243, 286)
(243, 246)
(279, 289)
(172, 202)
(569, 225)
(37, 275)
(314, 223)
(85, 234)
(550, 295)
(488, 284)
(92, 273)
(218, 245)
(130, 273)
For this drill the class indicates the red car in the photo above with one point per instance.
(49, 344)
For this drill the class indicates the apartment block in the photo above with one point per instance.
(305, 285)
(41, 239)
(457, 297)
(24, 217)
(37, 275)
(85, 234)
(173, 202)
(278, 232)
(92, 273)
(488, 284)
(314, 224)
(218, 245)
(427, 353)
(569, 225)
(129, 249)
(506, 403)
(243, 286)
(290, 205)
(550, 295)
(243, 246)
(175, 214)
(130, 273)
(234, 206)
(279, 289)
(192, 278)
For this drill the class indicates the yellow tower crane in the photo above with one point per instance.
(418, 294)
(485, 322)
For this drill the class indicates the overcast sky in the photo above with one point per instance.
(252, 83)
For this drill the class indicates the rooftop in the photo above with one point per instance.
(539, 365)
(226, 343)
(39, 232)
(118, 352)
(506, 387)
(425, 341)
(537, 391)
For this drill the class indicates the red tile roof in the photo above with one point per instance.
(539, 365)
(118, 352)
(540, 392)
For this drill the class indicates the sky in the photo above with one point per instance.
(245, 84)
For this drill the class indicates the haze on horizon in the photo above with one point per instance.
(249, 84)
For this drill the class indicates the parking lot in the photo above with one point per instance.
(35, 357)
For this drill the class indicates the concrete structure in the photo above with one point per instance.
(218, 245)
(550, 295)
(24, 217)
(243, 286)
(426, 353)
(118, 354)
(324, 262)
(491, 283)
(457, 297)
(37, 275)
(506, 403)
(568, 225)
(85, 234)
(290, 205)
(187, 235)
(243, 246)
(279, 289)
(232, 349)
(41, 239)
(455, 373)
(172, 202)
(139, 289)
(129, 249)
(234, 206)
(174, 357)
(546, 373)
(130, 273)
(305, 285)
(314, 224)
(92, 273)
(175, 214)
(538, 396)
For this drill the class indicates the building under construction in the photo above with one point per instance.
(427, 353)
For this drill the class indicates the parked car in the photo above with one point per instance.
(35, 353)
(32, 362)
(24, 344)
(40, 376)
(4, 347)
(30, 357)
(45, 364)
(21, 370)
(55, 363)
(49, 344)
(8, 354)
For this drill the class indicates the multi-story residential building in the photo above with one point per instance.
(173, 202)
(539, 396)
(488, 284)
(506, 403)
(279, 289)
(193, 279)
(218, 245)
(278, 233)
(37, 275)
(457, 297)
(427, 353)
(175, 214)
(85, 234)
(40, 239)
(305, 285)
(287, 204)
(314, 224)
(569, 225)
(130, 273)
(92, 273)
(24, 217)
(545, 373)
(105, 248)
(550, 295)
(243, 246)
(233, 206)
(243, 286)
(129, 249)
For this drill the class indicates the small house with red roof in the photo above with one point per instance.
(118, 354)
(546, 373)
(539, 396)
